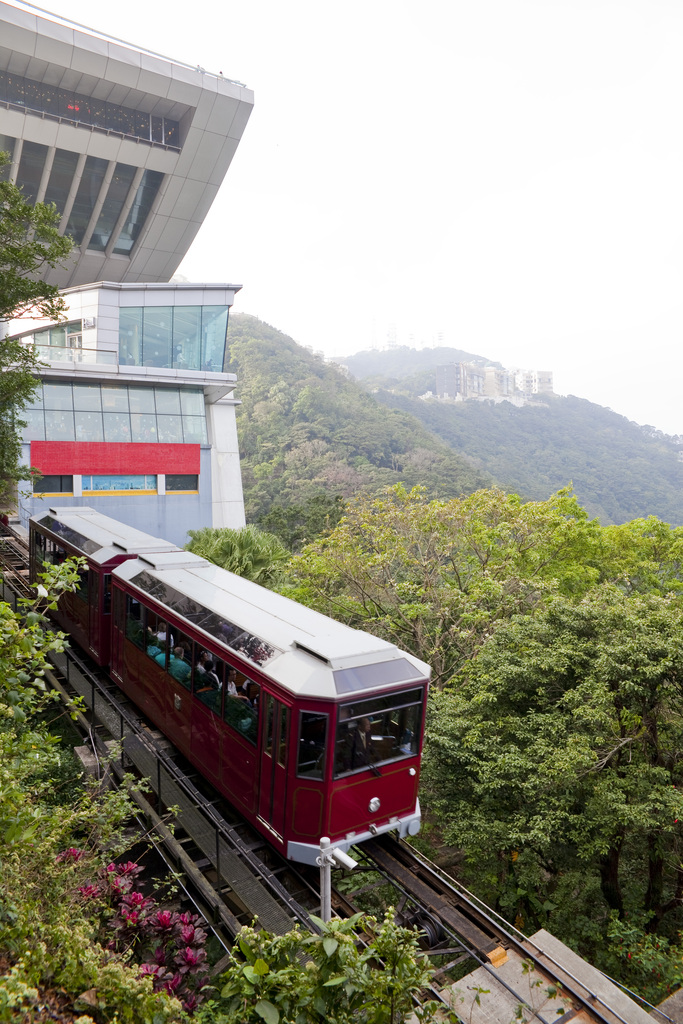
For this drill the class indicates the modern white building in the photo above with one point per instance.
(135, 412)
(130, 146)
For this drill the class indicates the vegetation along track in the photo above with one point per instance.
(485, 969)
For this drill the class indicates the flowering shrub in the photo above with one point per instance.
(168, 945)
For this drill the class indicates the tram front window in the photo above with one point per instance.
(376, 731)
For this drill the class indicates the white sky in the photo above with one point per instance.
(505, 173)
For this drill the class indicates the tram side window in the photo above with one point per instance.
(312, 744)
(106, 593)
(82, 586)
(241, 705)
(134, 624)
(119, 606)
(180, 660)
(158, 638)
(39, 542)
(55, 554)
(208, 677)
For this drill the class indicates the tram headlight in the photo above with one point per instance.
(374, 804)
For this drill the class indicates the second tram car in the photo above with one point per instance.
(62, 533)
(310, 728)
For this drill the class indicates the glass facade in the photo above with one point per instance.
(65, 105)
(98, 412)
(62, 173)
(182, 337)
(119, 482)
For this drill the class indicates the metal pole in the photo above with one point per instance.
(325, 862)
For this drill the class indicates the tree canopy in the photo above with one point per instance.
(249, 552)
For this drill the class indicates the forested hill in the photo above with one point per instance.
(307, 433)
(620, 471)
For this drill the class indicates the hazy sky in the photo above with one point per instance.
(507, 174)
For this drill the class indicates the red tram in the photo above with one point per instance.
(310, 728)
(63, 533)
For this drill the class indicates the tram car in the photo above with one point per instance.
(308, 727)
(104, 543)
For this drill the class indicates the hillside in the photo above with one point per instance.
(308, 434)
(620, 471)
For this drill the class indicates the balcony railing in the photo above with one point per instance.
(72, 356)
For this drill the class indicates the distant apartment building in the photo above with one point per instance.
(460, 381)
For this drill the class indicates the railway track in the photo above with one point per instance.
(486, 971)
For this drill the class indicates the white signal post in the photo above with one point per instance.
(330, 855)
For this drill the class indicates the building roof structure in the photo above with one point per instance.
(132, 147)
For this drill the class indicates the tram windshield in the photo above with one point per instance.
(375, 731)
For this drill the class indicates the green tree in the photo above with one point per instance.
(30, 244)
(322, 979)
(437, 577)
(248, 552)
(554, 761)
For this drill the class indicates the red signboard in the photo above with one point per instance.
(73, 457)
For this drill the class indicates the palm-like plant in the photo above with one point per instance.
(249, 552)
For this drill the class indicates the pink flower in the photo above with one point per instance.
(163, 920)
(129, 868)
(71, 854)
(89, 892)
(187, 934)
(173, 983)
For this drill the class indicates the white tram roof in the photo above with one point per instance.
(303, 650)
(99, 537)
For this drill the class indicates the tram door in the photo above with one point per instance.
(273, 786)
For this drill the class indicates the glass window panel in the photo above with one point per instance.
(36, 401)
(57, 336)
(87, 397)
(171, 132)
(209, 673)
(194, 430)
(130, 336)
(214, 331)
(156, 336)
(61, 176)
(141, 126)
(53, 484)
(182, 482)
(134, 622)
(31, 168)
(42, 337)
(142, 204)
(59, 426)
(168, 401)
(115, 399)
(141, 400)
(312, 743)
(187, 322)
(112, 206)
(143, 427)
(157, 128)
(35, 424)
(192, 403)
(15, 89)
(89, 426)
(67, 104)
(116, 426)
(377, 730)
(57, 396)
(86, 197)
(169, 429)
